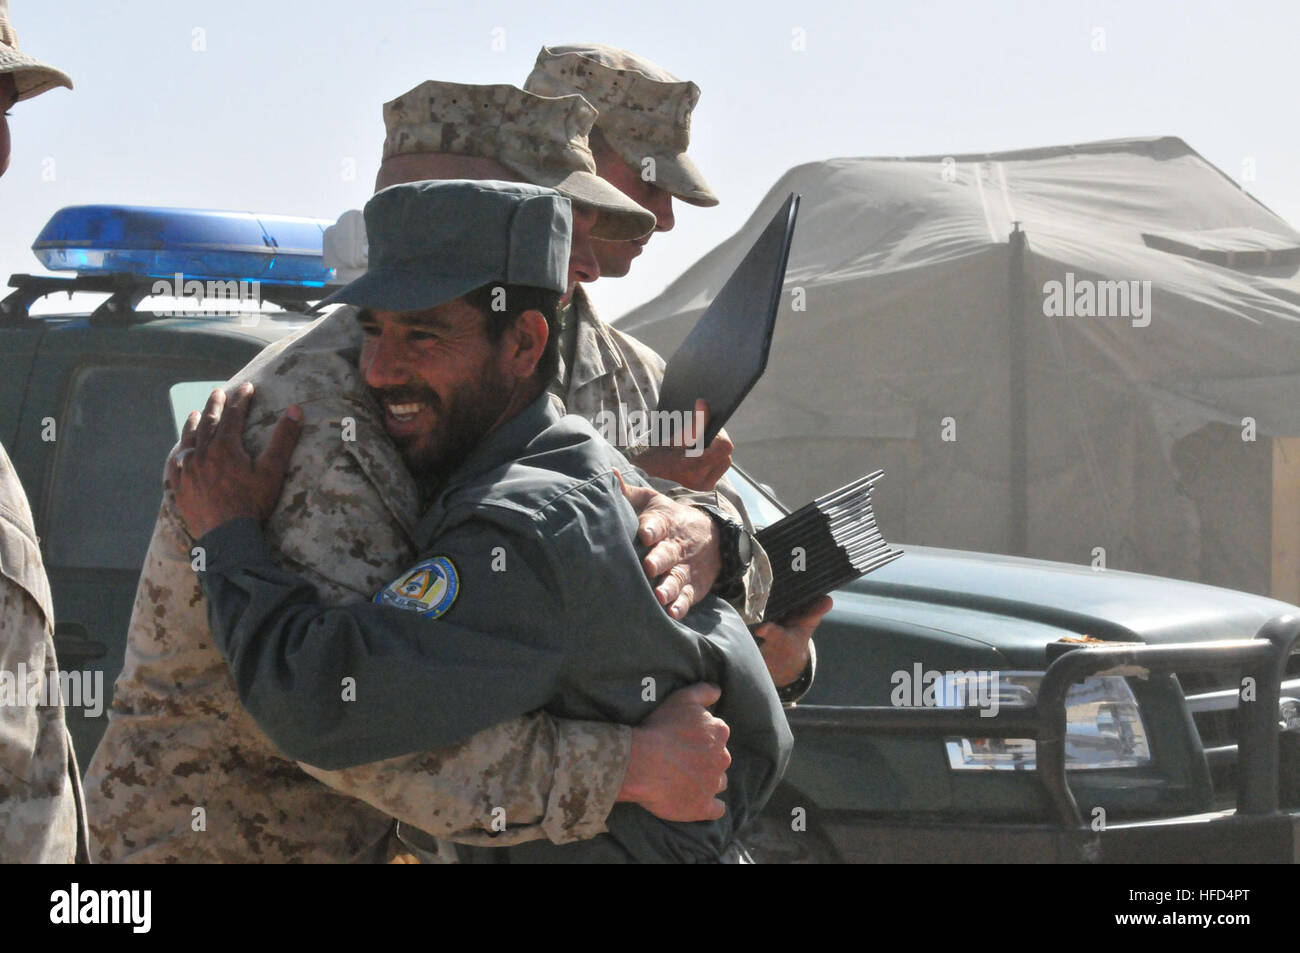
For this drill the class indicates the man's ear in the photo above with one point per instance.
(526, 343)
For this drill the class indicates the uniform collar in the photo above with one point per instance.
(508, 441)
(503, 445)
(596, 354)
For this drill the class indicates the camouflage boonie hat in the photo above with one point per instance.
(645, 111)
(31, 75)
(542, 139)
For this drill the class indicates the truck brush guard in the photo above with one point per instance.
(1262, 659)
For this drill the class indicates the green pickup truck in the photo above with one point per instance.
(967, 706)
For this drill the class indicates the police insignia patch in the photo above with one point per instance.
(428, 588)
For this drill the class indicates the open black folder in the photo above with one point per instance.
(822, 546)
(726, 352)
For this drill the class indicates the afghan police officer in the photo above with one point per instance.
(184, 774)
(525, 544)
(40, 810)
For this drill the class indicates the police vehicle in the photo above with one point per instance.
(967, 706)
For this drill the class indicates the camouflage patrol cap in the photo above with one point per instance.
(645, 111)
(434, 241)
(31, 75)
(541, 139)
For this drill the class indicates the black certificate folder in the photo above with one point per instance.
(726, 352)
(823, 546)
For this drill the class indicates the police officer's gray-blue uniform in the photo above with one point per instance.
(528, 594)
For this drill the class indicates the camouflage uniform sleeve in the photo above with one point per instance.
(758, 578)
(38, 796)
(38, 815)
(532, 778)
(646, 368)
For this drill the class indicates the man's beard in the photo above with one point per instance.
(463, 422)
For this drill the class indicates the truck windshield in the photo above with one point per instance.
(189, 396)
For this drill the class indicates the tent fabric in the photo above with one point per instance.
(1158, 312)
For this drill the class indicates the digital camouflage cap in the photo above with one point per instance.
(31, 75)
(644, 111)
(542, 139)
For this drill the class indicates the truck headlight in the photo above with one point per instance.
(1103, 724)
(1288, 713)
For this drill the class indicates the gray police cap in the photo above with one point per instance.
(434, 241)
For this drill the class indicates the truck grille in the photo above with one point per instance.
(1212, 698)
(1216, 720)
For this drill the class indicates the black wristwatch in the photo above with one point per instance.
(736, 549)
(789, 694)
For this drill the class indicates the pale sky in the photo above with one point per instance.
(274, 106)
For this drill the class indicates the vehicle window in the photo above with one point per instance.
(188, 396)
(762, 508)
(111, 444)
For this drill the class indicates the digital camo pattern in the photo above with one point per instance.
(183, 773)
(542, 139)
(499, 122)
(615, 373)
(31, 75)
(644, 111)
(38, 800)
(503, 779)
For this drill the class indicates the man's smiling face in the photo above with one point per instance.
(438, 380)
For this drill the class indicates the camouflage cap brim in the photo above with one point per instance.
(542, 139)
(31, 76)
(620, 219)
(643, 111)
(674, 172)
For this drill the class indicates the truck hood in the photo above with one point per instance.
(1106, 604)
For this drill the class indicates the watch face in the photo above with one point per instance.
(744, 549)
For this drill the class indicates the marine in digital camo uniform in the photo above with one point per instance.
(639, 141)
(184, 774)
(458, 637)
(39, 783)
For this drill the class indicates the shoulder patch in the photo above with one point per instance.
(428, 588)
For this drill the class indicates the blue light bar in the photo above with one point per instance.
(197, 243)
